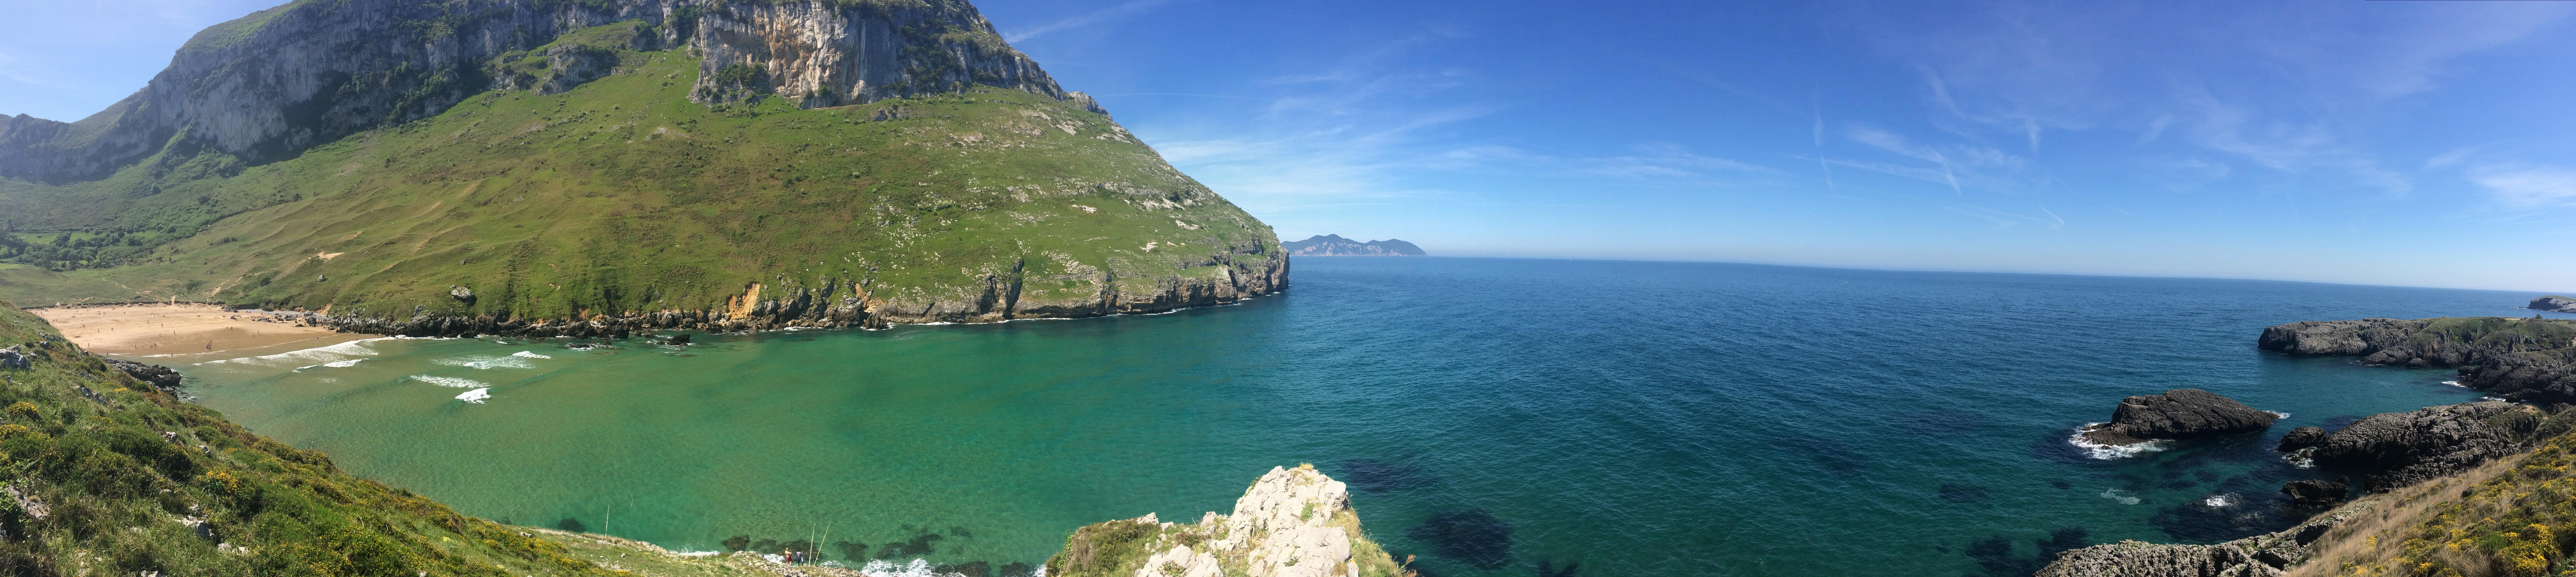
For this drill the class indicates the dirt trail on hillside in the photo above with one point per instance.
(180, 329)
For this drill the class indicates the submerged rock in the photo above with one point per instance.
(1290, 523)
(2301, 438)
(2178, 414)
(2399, 449)
(2315, 493)
(2257, 556)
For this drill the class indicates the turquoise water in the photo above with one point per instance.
(1634, 418)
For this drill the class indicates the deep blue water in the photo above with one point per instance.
(1493, 415)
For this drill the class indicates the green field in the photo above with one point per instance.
(620, 197)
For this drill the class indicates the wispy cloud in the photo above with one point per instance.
(2528, 186)
(1106, 15)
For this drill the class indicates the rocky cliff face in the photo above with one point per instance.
(2531, 360)
(1290, 523)
(2399, 449)
(2553, 303)
(2257, 556)
(287, 78)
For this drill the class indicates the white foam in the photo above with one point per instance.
(479, 362)
(529, 355)
(2109, 452)
(2282, 414)
(449, 381)
(2219, 501)
(917, 568)
(475, 396)
(310, 357)
(2455, 384)
(2115, 495)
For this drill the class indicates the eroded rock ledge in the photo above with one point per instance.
(1290, 523)
(2257, 556)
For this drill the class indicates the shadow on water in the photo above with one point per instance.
(1995, 554)
(1376, 476)
(1962, 493)
(1474, 536)
(1835, 456)
(1549, 569)
(1939, 422)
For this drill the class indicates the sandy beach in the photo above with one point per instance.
(181, 329)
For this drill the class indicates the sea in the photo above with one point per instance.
(1491, 416)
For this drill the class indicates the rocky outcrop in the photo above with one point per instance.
(1290, 523)
(2263, 555)
(2398, 449)
(1335, 245)
(2530, 360)
(10, 358)
(2553, 303)
(2178, 414)
(2302, 438)
(280, 80)
(1247, 272)
(158, 376)
(2316, 493)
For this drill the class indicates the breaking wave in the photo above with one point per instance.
(449, 381)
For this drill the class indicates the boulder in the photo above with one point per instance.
(2553, 303)
(461, 293)
(156, 375)
(2301, 438)
(2178, 414)
(2315, 493)
(10, 358)
(2399, 449)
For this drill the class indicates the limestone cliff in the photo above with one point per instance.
(543, 167)
(1290, 523)
(290, 77)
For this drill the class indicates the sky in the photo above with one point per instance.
(2425, 144)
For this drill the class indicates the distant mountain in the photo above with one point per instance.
(1335, 245)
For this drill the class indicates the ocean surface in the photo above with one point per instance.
(1493, 417)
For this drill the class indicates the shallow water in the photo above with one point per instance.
(1493, 416)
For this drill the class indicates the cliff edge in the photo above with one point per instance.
(1290, 523)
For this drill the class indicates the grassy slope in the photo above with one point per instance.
(118, 493)
(621, 196)
(2514, 517)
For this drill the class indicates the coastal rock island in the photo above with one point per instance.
(1335, 245)
(2522, 359)
(2553, 303)
(419, 167)
(2178, 414)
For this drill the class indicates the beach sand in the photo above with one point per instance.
(191, 330)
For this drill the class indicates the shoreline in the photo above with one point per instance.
(179, 329)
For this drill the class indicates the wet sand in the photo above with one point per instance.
(182, 329)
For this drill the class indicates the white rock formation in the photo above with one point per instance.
(1291, 523)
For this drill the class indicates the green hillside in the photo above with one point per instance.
(620, 196)
(117, 477)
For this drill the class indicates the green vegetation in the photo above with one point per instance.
(124, 479)
(2523, 335)
(2519, 522)
(620, 196)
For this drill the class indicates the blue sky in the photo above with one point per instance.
(2372, 142)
